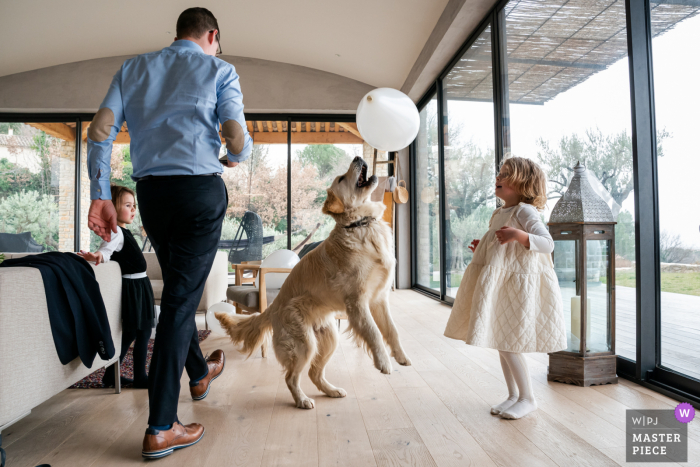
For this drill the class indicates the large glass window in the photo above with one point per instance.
(569, 100)
(676, 31)
(320, 152)
(37, 187)
(469, 156)
(426, 192)
(257, 195)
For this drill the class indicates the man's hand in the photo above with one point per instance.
(102, 218)
(230, 164)
(94, 257)
(509, 234)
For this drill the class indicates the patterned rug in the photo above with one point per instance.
(95, 379)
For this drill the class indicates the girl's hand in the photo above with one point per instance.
(93, 257)
(509, 234)
(473, 245)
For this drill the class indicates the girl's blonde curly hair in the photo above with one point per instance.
(528, 179)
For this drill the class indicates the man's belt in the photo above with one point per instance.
(172, 177)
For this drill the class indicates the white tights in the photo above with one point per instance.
(521, 401)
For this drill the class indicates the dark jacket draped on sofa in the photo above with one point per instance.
(76, 311)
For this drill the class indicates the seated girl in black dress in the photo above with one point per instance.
(138, 314)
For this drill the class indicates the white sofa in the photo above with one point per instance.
(214, 288)
(30, 372)
(27, 350)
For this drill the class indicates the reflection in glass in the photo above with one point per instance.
(469, 156)
(427, 200)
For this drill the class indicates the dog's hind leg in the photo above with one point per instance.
(382, 316)
(327, 343)
(294, 344)
(363, 327)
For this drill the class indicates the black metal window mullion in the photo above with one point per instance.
(442, 217)
(645, 176)
(413, 207)
(501, 109)
(76, 183)
(289, 183)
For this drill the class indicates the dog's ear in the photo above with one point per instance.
(333, 204)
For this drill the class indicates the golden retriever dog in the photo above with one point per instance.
(350, 271)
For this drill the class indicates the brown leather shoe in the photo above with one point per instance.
(161, 443)
(215, 362)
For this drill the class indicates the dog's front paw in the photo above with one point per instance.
(403, 360)
(384, 366)
(306, 403)
(337, 392)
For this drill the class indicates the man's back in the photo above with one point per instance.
(173, 101)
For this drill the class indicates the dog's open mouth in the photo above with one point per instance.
(362, 180)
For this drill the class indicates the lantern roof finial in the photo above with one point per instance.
(580, 202)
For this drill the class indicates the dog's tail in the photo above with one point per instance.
(250, 330)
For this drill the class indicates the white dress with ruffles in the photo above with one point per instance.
(509, 297)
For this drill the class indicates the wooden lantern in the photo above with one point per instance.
(583, 228)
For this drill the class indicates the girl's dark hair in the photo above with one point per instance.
(195, 22)
(118, 193)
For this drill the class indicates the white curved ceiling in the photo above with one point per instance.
(372, 41)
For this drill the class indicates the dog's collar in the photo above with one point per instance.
(364, 222)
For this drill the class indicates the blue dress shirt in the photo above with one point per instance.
(173, 101)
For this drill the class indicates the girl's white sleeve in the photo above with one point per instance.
(540, 239)
(115, 244)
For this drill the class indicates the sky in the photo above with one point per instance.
(603, 101)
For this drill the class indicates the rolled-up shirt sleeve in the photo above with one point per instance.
(540, 239)
(230, 107)
(99, 153)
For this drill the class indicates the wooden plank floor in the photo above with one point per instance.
(435, 412)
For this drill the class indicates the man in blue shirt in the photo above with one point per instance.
(173, 102)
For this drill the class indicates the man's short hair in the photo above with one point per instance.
(195, 22)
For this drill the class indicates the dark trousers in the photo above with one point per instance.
(182, 217)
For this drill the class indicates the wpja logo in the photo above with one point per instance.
(659, 435)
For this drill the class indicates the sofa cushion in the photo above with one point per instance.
(248, 296)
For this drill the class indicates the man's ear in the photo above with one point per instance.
(333, 204)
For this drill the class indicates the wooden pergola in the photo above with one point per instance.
(262, 132)
(554, 46)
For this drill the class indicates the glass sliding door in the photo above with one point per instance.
(676, 33)
(426, 196)
(470, 159)
(320, 152)
(37, 187)
(257, 189)
(569, 101)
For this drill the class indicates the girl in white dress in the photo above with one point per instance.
(509, 297)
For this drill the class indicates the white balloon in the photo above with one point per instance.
(278, 259)
(387, 119)
(212, 322)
